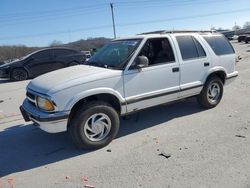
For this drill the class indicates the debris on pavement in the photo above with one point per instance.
(166, 155)
(67, 177)
(89, 186)
(1, 101)
(84, 178)
(240, 136)
(10, 182)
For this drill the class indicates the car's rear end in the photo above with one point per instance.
(224, 57)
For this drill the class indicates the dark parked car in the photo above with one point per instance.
(243, 37)
(247, 39)
(41, 62)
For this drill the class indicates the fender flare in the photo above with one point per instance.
(75, 99)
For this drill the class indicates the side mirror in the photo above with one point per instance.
(141, 61)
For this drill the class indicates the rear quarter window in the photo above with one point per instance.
(219, 44)
(190, 48)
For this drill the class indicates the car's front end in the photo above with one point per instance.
(4, 71)
(43, 111)
(50, 97)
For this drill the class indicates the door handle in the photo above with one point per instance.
(206, 64)
(175, 69)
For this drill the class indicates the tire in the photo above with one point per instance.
(84, 124)
(211, 93)
(18, 74)
(73, 63)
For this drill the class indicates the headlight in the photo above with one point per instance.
(45, 104)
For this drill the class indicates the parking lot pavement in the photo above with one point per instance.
(176, 145)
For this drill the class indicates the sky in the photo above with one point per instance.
(39, 22)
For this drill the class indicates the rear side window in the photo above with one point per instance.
(190, 48)
(63, 52)
(200, 49)
(42, 54)
(219, 44)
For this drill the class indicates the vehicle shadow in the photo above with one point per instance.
(2, 81)
(158, 115)
(24, 147)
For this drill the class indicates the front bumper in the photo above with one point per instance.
(4, 73)
(49, 122)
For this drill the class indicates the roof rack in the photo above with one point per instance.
(178, 31)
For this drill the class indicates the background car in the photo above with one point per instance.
(41, 62)
(243, 37)
(247, 39)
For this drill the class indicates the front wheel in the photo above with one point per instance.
(94, 126)
(18, 74)
(211, 93)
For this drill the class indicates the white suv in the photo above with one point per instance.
(128, 75)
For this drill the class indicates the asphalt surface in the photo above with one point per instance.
(176, 145)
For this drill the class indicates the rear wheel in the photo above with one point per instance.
(18, 74)
(211, 93)
(94, 126)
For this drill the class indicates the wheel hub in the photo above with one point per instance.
(213, 92)
(97, 127)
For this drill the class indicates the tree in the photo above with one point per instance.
(236, 27)
(56, 43)
(246, 25)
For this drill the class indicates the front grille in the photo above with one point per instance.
(31, 97)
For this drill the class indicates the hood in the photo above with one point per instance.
(12, 63)
(68, 77)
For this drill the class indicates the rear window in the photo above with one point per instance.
(219, 44)
(63, 52)
(190, 48)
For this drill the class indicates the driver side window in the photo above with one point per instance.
(158, 51)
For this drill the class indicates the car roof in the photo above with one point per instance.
(167, 32)
(56, 48)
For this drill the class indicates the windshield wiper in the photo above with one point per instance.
(94, 63)
(97, 64)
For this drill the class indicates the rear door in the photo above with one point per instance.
(194, 63)
(40, 63)
(63, 57)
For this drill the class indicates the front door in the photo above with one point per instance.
(156, 83)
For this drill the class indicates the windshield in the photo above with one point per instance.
(115, 54)
(24, 57)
